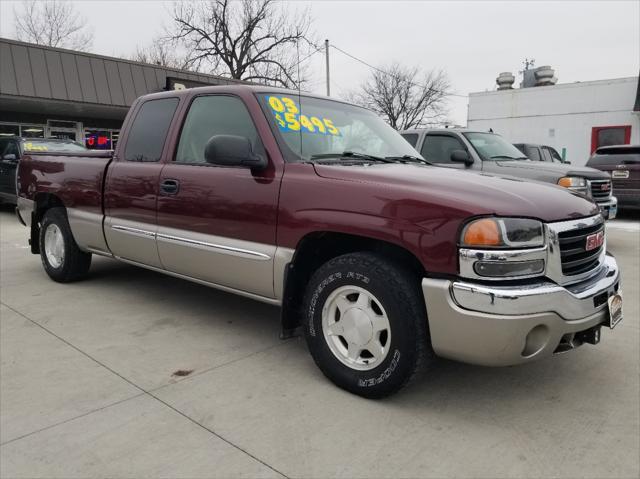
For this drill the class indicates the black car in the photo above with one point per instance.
(12, 148)
(540, 152)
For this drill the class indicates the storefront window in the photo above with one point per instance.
(32, 131)
(97, 139)
(9, 130)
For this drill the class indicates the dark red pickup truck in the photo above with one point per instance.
(320, 207)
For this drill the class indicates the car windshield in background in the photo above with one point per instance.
(493, 147)
(319, 129)
(52, 146)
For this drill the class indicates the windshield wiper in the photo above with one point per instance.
(350, 155)
(408, 158)
(507, 157)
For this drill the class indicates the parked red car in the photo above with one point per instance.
(321, 207)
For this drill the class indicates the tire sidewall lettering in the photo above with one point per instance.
(384, 375)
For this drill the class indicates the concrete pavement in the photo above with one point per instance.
(88, 389)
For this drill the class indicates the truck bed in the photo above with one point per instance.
(77, 182)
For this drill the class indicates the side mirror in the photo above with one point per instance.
(232, 150)
(461, 156)
(10, 157)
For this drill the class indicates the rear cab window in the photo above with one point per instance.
(149, 130)
(412, 138)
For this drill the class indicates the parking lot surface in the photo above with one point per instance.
(134, 374)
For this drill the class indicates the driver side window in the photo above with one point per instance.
(214, 115)
(438, 148)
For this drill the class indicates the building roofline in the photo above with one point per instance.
(116, 59)
(556, 86)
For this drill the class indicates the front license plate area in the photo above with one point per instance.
(615, 309)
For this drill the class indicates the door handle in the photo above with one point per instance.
(169, 186)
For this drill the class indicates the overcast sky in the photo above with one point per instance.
(472, 41)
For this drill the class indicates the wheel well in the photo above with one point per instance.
(316, 249)
(43, 202)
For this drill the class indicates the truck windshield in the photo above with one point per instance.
(320, 129)
(493, 147)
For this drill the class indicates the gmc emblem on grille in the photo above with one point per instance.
(605, 186)
(595, 240)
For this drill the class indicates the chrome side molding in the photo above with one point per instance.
(223, 248)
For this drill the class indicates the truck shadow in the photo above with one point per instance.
(182, 295)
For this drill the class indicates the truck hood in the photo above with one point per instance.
(551, 169)
(470, 193)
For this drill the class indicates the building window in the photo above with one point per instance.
(32, 131)
(7, 129)
(97, 139)
(610, 135)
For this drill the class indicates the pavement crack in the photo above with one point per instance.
(72, 418)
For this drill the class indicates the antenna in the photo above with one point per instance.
(528, 64)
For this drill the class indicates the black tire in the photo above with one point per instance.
(75, 263)
(399, 294)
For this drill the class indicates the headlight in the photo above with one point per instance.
(502, 248)
(574, 183)
(503, 233)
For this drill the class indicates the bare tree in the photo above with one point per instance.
(404, 96)
(54, 23)
(253, 40)
(160, 52)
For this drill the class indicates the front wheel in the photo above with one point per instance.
(366, 324)
(62, 259)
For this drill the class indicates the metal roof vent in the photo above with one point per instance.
(505, 81)
(545, 76)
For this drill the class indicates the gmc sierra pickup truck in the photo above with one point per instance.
(319, 206)
(486, 152)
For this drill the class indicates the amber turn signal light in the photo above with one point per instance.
(484, 232)
(566, 182)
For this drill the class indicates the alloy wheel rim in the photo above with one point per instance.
(356, 328)
(54, 246)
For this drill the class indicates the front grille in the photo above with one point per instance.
(575, 258)
(600, 189)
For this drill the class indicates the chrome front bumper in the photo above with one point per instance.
(505, 325)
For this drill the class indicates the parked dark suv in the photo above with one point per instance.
(623, 164)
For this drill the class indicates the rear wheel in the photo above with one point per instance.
(366, 324)
(62, 259)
